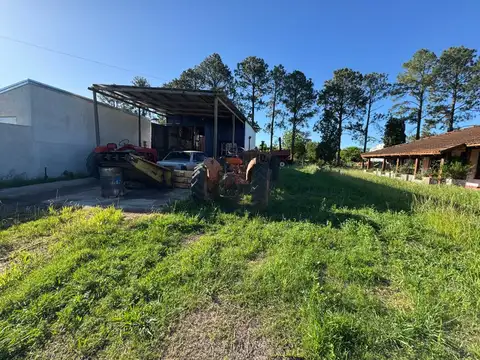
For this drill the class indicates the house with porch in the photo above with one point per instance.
(463, 145)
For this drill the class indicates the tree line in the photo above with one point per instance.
(434, 93)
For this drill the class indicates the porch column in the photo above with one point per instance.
(416, 167)
(215, 128)
(383, 164)
(369, 163)
(426, 164)
(397, 166)
(442, 162)
(95, 116)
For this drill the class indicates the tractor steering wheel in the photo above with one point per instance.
(123, 142)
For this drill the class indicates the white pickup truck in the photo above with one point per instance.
(182, 160)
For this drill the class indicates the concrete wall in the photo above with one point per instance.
(55, 130)
(250, 132)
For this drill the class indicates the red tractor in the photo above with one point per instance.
(230, 177)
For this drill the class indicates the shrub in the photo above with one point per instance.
(456, 170)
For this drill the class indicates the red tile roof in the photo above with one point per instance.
(433, 145)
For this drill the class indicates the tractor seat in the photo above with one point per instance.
(233, 161)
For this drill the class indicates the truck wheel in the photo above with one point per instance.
(260, 185)
(199, 185)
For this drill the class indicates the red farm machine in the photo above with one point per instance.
(253, 173)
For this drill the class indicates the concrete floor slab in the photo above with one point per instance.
(138, 200)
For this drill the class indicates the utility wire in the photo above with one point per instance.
(78, 57)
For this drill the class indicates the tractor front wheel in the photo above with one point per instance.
(260, 184)
(199, 185)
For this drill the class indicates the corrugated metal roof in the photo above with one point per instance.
(433, 145)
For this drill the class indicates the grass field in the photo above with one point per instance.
(347, 266)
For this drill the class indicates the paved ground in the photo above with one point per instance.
(27, 201)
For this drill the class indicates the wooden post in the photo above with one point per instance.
(139, 127)
(383, 164)
(369, 163)
(442, 162)
(215, 128)
(233, 130)
(95, 116)
(397, 166)
(416, 168)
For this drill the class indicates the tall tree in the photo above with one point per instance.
(328, 128)
(376, 88)
(394, 133)
(300, 142)
(138, 81)
(215, 74)
(189, 79)
(276, 84)
(412, 87)
(455, 92)
(252, 84)
(299, 99)
(343, 101)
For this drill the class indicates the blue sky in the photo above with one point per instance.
(161, 38)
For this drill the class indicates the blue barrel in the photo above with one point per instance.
(111, 181)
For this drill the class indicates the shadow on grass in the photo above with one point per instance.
(313, 197)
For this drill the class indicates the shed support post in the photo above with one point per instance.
(440, 170)
(369, 163)
(397, 166)
(415, 170)
(215, 127)
(233, 131)
(383, 164)
(95, 116)
(139, 127)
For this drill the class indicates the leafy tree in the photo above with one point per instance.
(343, 101)
(455, 93)
(299, 99)
(351, 154)
(300, 142)
(412, 87)
(215, 74)
(252, 83)
(376, 87)
(311, 150)
(394, 131)
(276, 84)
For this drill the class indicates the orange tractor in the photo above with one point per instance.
(254, 173)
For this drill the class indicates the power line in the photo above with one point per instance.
(78, 57)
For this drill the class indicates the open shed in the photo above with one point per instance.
(205, 120)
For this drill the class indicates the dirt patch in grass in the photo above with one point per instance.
(219, 332)
(394, 298)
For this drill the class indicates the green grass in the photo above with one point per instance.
(348, 266)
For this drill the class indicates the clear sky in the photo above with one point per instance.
(159, 39)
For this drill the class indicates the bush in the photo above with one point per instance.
(456, 170)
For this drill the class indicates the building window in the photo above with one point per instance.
(8, 120)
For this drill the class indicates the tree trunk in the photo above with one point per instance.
(273, 120)
(366, 126)
(340, 116)
(452, 112)
(253, 104)
(419, 116)
(294, 128)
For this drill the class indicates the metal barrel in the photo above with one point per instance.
(111, 181)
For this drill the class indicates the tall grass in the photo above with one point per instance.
(339, 266)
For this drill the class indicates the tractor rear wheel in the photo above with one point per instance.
(260, 184)
(199, 185)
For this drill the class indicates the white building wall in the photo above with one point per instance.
(250, 132)
(55, 130)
